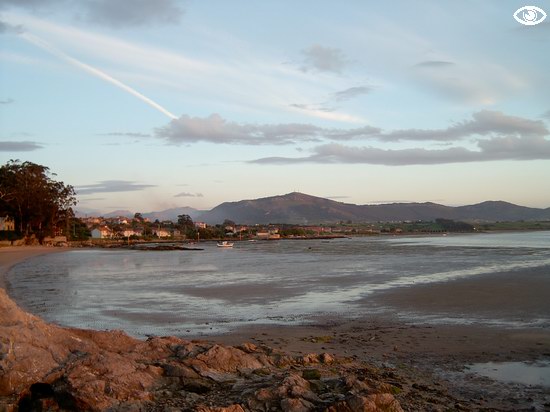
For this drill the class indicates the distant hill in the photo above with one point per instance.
(117, 213)
(168, 214)
(172, 214)
(299, 208)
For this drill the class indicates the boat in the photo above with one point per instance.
(225, 244)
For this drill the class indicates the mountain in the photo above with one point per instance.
(168, 214)
(117, 213)
(299, 208)
(172, 214)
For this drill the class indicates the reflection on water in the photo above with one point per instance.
(537, 373)
(172, 292)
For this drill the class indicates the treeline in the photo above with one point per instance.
(39, 204)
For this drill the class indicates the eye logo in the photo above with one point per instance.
(529, 15)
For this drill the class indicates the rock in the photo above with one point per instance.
(231, 408)
(296, 405)
(248, 347)
(179, 371)
(296, 387)
(326, 358)
(311, 374)
(371, 403)
(199, 386)
(310, 358)
(228, 359)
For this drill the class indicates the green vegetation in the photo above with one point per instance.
(520, 225)
(39, 204)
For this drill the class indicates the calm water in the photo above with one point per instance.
(209, 291)
(537, 373)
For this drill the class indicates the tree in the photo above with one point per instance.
(228, 222)
(185, 221)
(39, 204)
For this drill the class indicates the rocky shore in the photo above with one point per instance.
(46, 367)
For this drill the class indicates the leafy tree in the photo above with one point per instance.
(228, 222)
(39, 204)
(78, 230)
(185, 222)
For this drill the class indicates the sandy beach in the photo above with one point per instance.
(426, 361)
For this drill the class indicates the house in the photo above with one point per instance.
(200, 225)
(102, 232)
(7, 223)
(272, 234)
(160, 232)
(132, 232)
(318, 230)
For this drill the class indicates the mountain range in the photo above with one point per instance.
(299, 208)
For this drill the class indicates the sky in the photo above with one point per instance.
(147, 105)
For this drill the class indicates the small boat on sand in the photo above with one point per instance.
(224, 244)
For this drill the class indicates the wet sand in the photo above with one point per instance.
(430, 360)
(426, 361)
(519, 297)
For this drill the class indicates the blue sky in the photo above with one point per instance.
(145, 105)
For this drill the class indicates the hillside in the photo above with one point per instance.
(299, 208)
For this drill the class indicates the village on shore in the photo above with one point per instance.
(101, 230)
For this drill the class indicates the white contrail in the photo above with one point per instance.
(96, 72)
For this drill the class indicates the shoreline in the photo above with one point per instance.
(12, 255)
(426, 360)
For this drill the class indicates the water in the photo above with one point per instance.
(537, 373)
(291, 281)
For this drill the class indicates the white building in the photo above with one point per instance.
(7, 223)
(102, 232)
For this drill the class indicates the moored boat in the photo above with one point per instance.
(225, 244)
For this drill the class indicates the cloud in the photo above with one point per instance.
(112, 186)
(111, 13)
(31, 4)
(312, 107)
(324, 59)
(490, 150)
(510, 148)
(351, 93)
(94, 72)
(365, 132)
(546, 114)
(215, 129)
(187, 194)
(7, 101)
(126, 134)
(481, 83)
(498, 136)
(6, 28)
(132, 13)
(25, 146)
(327, 110)
(434, 64)
(484, 122)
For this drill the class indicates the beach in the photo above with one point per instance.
(426, 360)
